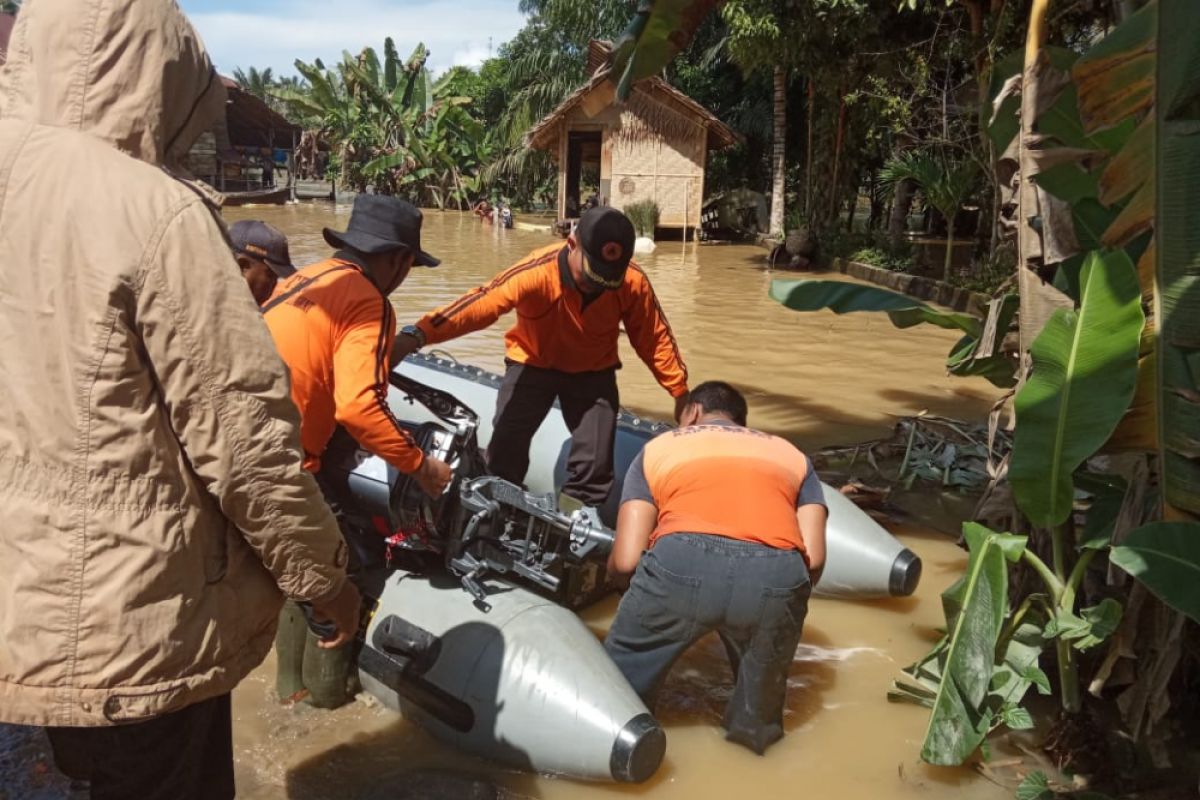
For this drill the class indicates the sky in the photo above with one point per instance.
(274, 33)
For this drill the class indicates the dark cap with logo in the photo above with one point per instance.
(606, 237)
(260, 240)
(381, 224)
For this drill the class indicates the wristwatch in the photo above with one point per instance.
(416, 333)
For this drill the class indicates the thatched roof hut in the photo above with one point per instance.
(652, 147)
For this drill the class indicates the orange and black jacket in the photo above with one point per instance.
(334, 330)
(558, 328)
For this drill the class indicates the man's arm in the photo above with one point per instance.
(812, 517)
(653, 339)
(360, 383)
(477, 309)
(811, 514)
(226, 396)
(635, 523)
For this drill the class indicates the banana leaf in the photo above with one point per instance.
(1178, 252)
(1165, 556)
(961, 716)
(1084, 374)
(658, 31)
(842, 297)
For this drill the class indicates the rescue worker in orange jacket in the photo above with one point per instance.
(722, 528)
(571, 302)
(334, 326)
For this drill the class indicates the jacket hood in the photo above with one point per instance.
(131, 72)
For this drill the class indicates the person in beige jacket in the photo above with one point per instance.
(153, 497)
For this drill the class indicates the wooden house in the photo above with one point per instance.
(240, 154)
(654, 146)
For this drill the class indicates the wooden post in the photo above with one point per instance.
(291, 167)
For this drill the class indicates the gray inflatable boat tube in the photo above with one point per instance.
(862, 559)
(526, 683)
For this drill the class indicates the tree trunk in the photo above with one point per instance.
(949, 247)
(808, 177)
(906, 190)
(778, 148)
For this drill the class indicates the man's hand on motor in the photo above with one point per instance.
(343, 611)
(403, 346)
(433, 476)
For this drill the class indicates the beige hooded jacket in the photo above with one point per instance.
(152, 497)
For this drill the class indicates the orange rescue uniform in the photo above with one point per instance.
(556, 330)
(726, 480)
(334, 330)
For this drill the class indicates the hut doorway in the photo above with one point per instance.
(583, 170)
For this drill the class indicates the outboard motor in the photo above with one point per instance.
(481, 526)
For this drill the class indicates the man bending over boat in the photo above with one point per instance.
(571, 302)
(333, 325)
(722, 528)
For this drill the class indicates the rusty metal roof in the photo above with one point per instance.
(252, 123)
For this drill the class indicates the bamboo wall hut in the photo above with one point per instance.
(652, 147)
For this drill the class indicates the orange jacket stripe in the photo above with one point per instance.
(726, 481)
(334, 330)
(553, 330)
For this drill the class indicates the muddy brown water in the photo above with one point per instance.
(817, 379)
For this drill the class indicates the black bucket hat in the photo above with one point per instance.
(380, 224)
(606, 237)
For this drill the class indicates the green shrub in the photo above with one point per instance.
(644, 216)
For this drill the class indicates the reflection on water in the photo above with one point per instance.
(817, 379)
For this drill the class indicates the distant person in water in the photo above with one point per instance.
(483, 210)
(262, 254)
(571, 301)
(722, 528)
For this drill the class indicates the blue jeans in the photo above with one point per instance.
(754, 596)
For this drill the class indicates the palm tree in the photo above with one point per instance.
(945, 184)
(259, 84)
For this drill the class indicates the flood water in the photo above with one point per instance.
(817, 379)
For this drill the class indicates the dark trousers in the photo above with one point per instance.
(589, 404)
(184, 755)
(754, 596)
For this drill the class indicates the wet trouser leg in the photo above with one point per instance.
(690, 584)
(589, 404)
(184, 755)
(526, 396)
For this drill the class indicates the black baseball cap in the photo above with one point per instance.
(260, 240)
(606, 237)
(381, 224)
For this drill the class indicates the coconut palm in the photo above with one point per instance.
(945, 184)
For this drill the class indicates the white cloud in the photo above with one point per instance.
(455, 31)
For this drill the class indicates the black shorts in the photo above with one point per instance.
(184, 755)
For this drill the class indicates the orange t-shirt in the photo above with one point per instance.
(334, 330)
(725, 480)
(556, 329)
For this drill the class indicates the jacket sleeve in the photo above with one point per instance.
(225, 392)
(480, 307)
(652, 337)
(360, 381)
